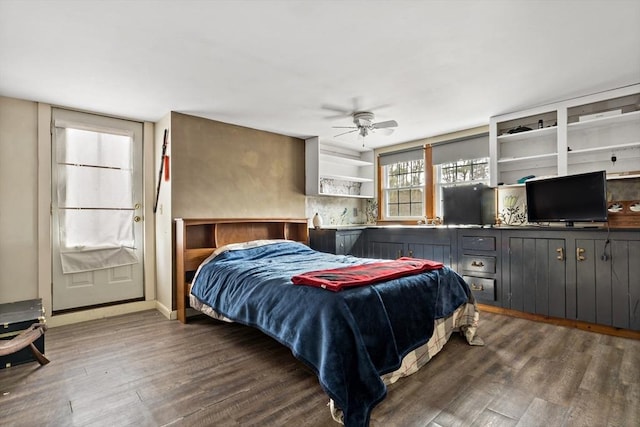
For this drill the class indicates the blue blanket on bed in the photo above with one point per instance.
(348, 338)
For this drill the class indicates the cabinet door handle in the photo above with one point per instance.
(477, 264)
(410, 253)
(560, 254)
(579, 256)
(475, 287)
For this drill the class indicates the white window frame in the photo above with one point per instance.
(386, 190)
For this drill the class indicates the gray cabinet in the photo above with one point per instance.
(587, 275)
(479, 263)
(607, 277)
(578, 274)
(339, 242)
(535, 279)
(437, 244)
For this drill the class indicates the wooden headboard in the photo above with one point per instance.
(196, 239)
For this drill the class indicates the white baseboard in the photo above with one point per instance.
(166, 312)
(102, 312)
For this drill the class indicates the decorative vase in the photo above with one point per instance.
(317, 221)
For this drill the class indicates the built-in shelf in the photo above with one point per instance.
(526, 158)
(609, 138)
(352, 171)
(347, 178)
(356, 196)
(605, 148)
(342, 160)
(511, 185)
(631, 175)
(605, 121)
(530, 134)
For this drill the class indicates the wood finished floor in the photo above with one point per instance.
(143, 370)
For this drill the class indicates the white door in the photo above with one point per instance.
(97, 232)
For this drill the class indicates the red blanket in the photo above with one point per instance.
(365, 274)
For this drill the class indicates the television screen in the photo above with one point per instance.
(468, 204)
(571, 198)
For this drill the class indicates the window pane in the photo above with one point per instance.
(404, 188)
(404, 209)
(88, 187)
(448, 174)
(96, 228)
(463, 173)
(416, 209)
(95, 148)
(481, 171)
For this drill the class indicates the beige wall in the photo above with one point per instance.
(218, 170)
(19, 196)
(25, 190)
(225, 171)
(163, 222)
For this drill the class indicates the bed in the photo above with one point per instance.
(357, 340)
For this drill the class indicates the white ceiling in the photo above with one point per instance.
(433, 66)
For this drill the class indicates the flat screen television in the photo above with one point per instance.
(468, 205)
(569, 199)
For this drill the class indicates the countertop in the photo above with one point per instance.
(462, 226)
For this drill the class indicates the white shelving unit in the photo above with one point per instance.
(578, 135)
(592, 144)
(337, 171)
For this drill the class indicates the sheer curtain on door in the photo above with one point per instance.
(95, 199)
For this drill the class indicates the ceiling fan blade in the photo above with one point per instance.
(344, 133)
(387, 124)
(344, 127)
(337, 109)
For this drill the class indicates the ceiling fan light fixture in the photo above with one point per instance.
(364, 125)
(363, 118)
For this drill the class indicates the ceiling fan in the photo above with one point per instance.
(364, 124)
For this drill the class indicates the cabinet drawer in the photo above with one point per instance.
(479, 243)
(484, 264)
(483, 289)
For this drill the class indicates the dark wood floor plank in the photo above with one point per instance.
(542, 413)
(511, 402)
(143, 370)
(603, 370)
(589, 409)
(493, 419)
(625, 406)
